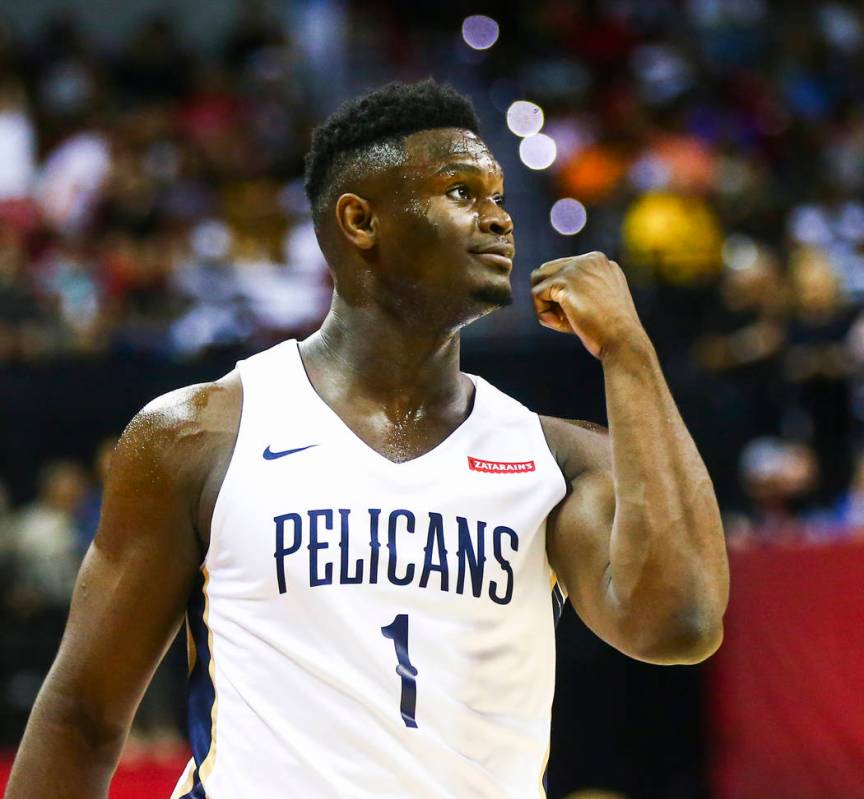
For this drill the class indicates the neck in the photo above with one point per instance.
(363, 353)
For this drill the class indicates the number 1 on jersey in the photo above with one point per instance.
(397, 632)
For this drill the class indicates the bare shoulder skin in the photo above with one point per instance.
(131, 593)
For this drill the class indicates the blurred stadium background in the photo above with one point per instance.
(153, 229)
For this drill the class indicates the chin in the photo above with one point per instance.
(456, 309)
(493, 296)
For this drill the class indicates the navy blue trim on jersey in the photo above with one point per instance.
(557, 603)
(202, 693)
(557, 610)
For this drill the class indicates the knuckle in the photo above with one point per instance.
(547, 267)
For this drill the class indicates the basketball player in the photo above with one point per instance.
(363, 538)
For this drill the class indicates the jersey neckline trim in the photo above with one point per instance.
(403, 466)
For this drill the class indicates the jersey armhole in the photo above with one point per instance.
(216, 518)
(551, 460)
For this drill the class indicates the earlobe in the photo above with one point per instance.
(356, 220)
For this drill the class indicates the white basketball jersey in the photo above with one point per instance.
(364, 629)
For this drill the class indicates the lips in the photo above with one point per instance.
(499, 255)
(505, 250)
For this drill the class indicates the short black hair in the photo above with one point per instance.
(387, 114)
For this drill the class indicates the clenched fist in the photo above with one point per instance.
(586, 295)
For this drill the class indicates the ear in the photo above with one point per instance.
(356, 220)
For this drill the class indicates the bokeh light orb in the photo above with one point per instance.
(740, 252)
(524, 118)
(210, 240)
(480, 31)
(538, 151)
(568, 216)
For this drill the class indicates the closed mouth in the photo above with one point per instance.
(504, 250)
(496, 259)
(498, 255)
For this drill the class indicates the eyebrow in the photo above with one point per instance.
(461, 166)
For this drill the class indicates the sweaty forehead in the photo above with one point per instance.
(430, 150)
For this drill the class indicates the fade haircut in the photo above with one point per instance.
(362, 131)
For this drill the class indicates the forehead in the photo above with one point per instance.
(429, 150)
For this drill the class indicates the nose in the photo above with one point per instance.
(495, 220)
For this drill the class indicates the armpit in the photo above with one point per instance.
(577, 446)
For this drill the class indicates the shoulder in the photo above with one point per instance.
(186, 419)
(577, 446)
(181, 443)
(198, 408)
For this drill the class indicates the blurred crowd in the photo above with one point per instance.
(42, 545)
(150, 198)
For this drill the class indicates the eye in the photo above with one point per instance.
(459, 192)
(500, 200)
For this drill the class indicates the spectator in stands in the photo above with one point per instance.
(818, 366)
(778, 477)
(45, 540)
(742, 337)
(44, 561)
(21, 318)
(737, 352)
(17, 147)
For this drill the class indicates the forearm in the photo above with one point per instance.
(64, 752)
(668, 573)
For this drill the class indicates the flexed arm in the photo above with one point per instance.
(638, 541)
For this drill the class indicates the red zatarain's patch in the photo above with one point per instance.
(500, 467)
